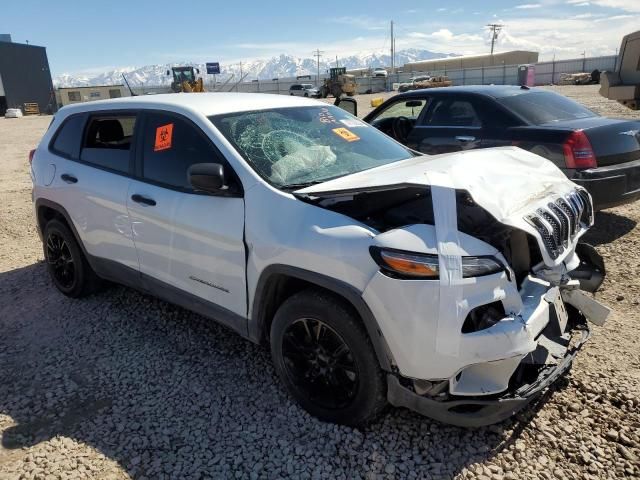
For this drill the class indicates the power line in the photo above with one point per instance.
(318, 53)
(495, 31)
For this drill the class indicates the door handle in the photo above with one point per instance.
(68, 178)
(465, 138)
(143, 200)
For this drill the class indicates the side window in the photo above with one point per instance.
(494, 117)
(108, 140)
(67, 139)
(171, 146)
(405, 108)
(449, 112)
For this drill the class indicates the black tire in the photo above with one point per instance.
(67, 265)
(351, 389)
(306, 94)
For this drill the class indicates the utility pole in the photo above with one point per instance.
(318, 54)
(393, 50)
(495, 30)
(584, 59)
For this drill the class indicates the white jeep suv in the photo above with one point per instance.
(447, 284)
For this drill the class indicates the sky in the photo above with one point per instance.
(90, 40)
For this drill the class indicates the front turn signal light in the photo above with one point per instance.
(410, 265)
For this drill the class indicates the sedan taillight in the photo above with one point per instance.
(31, 154)
(578, 152)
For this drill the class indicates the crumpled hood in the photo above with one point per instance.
(518, 188)
(506, 181)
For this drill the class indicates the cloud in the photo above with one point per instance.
(615, 17)
(626, 5)
(584, 16)
(527, 6)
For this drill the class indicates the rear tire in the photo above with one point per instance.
(67, 265)
(325, 359)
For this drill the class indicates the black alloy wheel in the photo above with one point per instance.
(60, 260)
(324, 356)
(319, 362)
(67, 265)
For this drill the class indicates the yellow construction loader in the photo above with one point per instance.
(185, 80)
(339, 82)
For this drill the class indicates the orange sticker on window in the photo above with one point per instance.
(345, 134)
(164, 135)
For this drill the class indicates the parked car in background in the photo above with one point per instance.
(376, 275)
(304, 90)
(602, 154)
(410, 84)
(379, 72)
(13, 113)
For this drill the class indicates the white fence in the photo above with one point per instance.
(546, 73)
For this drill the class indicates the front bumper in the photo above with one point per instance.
(480, 411)
(611, 185)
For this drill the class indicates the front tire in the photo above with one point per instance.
(67, 265)
(325, 359)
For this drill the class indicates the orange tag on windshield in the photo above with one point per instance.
(345, 134)
(164, 135)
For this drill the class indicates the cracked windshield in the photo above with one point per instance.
(295, 147)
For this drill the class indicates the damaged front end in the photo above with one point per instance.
(481, 299)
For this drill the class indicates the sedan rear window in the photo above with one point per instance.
(294, 147)
(539, 108)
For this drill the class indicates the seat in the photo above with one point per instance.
(623, 85)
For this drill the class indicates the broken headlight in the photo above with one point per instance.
(409, 265)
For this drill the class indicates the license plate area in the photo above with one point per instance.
(558, 316)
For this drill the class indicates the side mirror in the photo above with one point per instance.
(348, 105)
(206, 177)
(168, 72)
(198, 71)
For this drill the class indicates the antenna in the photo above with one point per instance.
(129, 86)
(495, 31)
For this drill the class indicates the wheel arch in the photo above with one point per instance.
(279, 282)
(47, 210)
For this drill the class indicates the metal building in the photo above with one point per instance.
(514, 57)
(24, 76)
(69, 95)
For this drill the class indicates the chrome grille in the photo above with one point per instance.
(560, 221)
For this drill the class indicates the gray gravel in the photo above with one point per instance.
(121, 385)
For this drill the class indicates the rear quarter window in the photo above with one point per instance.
(67, 139)
(539, 108)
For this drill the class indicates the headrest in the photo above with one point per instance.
(110, 130)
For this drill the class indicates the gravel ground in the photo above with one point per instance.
(121, 385)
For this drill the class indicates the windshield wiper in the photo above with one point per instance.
(297, 186)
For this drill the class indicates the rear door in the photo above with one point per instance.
(185, 239)
(93, 163)
(450, 124)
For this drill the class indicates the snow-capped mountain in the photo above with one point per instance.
(282, 66)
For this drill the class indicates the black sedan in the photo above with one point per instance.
(602, 154)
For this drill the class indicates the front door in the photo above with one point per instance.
(187, 240)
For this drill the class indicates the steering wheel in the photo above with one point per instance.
(401, 128)
(279, 143)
